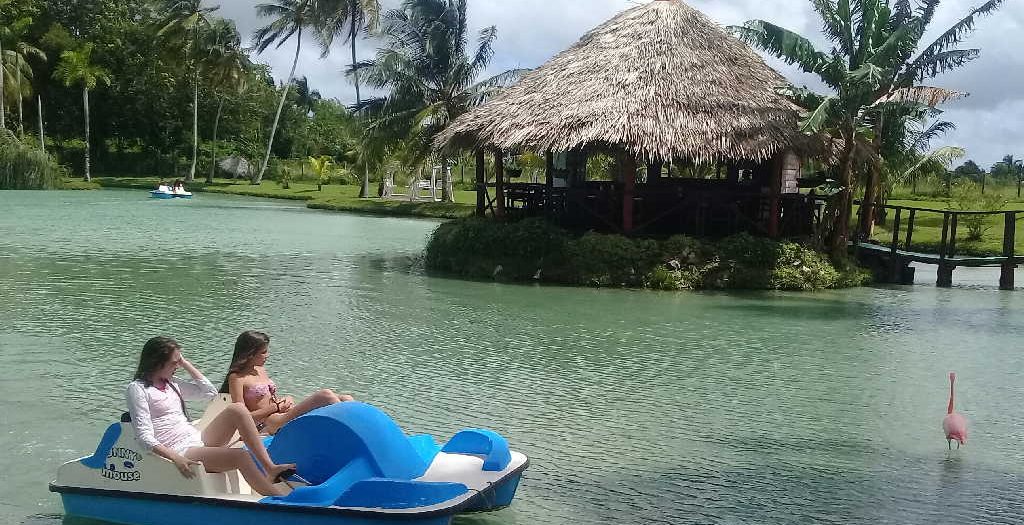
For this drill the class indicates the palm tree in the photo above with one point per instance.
(307, 97)
(873, 72)
(307, 100)
(19, 71)
(13, 62)
(184, 23)
(430, 72)
(290, 18)
(226, 66)
(347, 18)
(76, 68)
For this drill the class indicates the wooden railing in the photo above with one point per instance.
(946, 258)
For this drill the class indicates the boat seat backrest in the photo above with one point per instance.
(216, 406)
(121, 462)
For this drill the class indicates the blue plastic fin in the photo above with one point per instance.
(99, 459)
(425, 446)
(478, 441)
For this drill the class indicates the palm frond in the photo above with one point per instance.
(925, 95)
(952, 36)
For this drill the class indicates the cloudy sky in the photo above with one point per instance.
(530, 32)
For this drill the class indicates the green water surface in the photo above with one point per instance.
(634, 407)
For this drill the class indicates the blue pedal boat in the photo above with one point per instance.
(360, 467)
(159, 194)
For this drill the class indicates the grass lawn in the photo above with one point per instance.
(928, 230)
(333, 197)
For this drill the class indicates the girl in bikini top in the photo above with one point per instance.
(257, 392)
(247, 382)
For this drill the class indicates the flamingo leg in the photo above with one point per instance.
(949, 443)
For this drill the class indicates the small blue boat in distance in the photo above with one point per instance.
(166, 194)
(356, 466)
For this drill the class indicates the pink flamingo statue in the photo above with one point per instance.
(954, 425)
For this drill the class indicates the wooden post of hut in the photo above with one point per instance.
(549, 181)
(481, 183)
(628, 191)
(499, 184)
(775, 197)
(654, 171)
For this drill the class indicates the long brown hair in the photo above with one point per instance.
(155, 354)
(248, 344)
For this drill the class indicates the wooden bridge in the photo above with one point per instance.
(893, 259)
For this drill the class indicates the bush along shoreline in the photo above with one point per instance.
(535, 251)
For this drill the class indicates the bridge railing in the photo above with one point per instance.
(946, 258)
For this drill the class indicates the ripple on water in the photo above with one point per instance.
(634, 407)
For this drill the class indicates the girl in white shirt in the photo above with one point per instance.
(156, 402)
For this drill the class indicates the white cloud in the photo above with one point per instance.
(532, 31)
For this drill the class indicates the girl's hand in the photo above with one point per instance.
(185, 466)
(284, 405)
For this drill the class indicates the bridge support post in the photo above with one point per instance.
(945, 276)
(1009, 242)
(896, 263)
(945, 279)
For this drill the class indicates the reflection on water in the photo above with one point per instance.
(634, 407)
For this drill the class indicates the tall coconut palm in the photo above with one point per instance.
(307, 97)
(11, 34)
(290, 18)
(430, 72)
(873, 71)
(17, 67)
(184, 23)
(227, 67)
(76, 69)
(347, 19)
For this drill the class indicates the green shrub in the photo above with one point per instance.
(604, 260)
(967, 196)
(23, 167)
(535, 250)
(478, 248)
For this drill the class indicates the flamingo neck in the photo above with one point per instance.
(949, 409)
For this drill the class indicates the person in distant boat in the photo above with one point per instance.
(156, 403)
(179, 187)
(163, 187)
(248, 383)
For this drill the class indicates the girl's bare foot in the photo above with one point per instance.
(275, 472)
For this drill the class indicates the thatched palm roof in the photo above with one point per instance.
(661, 80)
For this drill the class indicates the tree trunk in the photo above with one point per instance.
(280, 106)
(873, 188)
(85, 101)
(867, 208)
(446, 181)
(195, 131)
(3, 118)
(364, 188)
(213, 158)
(21, 115)
(844, 204)
(42, 136)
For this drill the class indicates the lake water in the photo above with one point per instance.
(635, 407)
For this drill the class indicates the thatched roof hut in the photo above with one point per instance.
(661, 81)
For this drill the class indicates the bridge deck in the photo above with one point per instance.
(934, 258)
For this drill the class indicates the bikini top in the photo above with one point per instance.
(256, 392)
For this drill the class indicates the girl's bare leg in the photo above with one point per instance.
(236, 418)
(219, 459)
(320, 398)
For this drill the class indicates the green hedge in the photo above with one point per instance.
(23, 167)
(533, 250)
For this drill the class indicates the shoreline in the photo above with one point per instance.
(334, 198)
